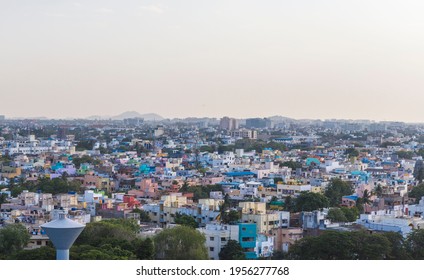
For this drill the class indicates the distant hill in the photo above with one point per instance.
(129, 115)
(134, 114)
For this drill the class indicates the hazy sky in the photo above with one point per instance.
(361, 59)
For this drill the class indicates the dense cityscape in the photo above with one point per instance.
(146, 187)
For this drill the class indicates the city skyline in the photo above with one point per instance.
(302, 60)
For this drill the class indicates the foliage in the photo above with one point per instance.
(101, 252)
(336, 215)
(43, 253)
(180, 243)
(309, 201)
(258, 145)
(336, 190)
(398, 250)
(185, 220)
(419, 171)
(3, 198)
(351, 152)
(415, 244)
(334, 245)
(144, 249)
(417, 192)
(291, 164)
(231, 217)
(13, 238)
(351, 214)
(144, 216)
(232, 251)
(45, 185)
(405, 154)
(84, 159)
(200, 192)
(209, 149)
(111, 231)
(85, 145)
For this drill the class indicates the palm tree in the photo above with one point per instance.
(366, 199)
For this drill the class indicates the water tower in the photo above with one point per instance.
(63, 232)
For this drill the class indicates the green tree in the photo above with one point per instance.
(336, 215)
(111, 231)
(144, 216)
(43, 253)
(291, 164)
(232, 251)
(351, 152)
(13, 238)
(417, 192)
(144, 249)
(351, 214)
(419, 171)
(231, 217)
(309, 201)
(336, 189)
(180, 243)
(3, 198)
(398, 250)
(185, 220)
(415, 244)
(335, 245)
(102, 252)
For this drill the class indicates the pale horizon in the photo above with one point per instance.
(196, 58)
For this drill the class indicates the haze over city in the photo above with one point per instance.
(300, 59)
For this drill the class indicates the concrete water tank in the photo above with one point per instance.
(63, 232)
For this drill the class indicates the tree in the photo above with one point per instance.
(13, 238)
(185, 220)
(144, 249)
(351, 214)
(419, 171)
(417, 192)
(231, 217)
(232, 251)
(398, 250)
(415, 244)
(335, 245)
(351, 152)
(291, 164)
(111, 231)
(43, 253)
(309, 201)
(144, 216)
(289, 203)
(180, 243)
(336, 215)
(336, 189)
(3, 198)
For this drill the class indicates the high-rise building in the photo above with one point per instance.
(258, 123)
(229, 123)
(2, 117)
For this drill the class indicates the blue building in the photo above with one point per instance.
(247, 239)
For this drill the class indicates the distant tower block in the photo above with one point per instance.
(63, 233)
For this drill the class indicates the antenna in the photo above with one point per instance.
(63, 232)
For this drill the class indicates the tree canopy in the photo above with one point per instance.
(232, 251)
(13, 238)
(180, 243)
(336, 189)
(309, 201)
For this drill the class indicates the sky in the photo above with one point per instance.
(326, 59)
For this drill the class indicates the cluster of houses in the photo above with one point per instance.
(114, 184)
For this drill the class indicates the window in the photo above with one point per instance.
(211, 249)
(223, 239)
(211, 238)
